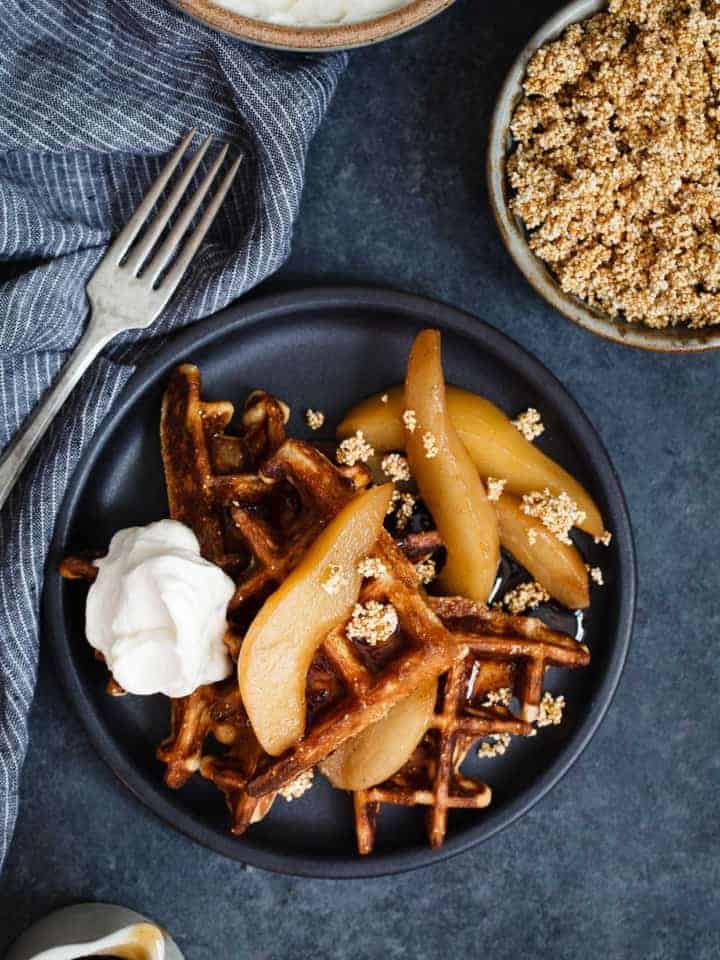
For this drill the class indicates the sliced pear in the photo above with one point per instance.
(383, 747)
(292, 623)
(380, 418)
(495, 446)
(557, 566)
(448, 482)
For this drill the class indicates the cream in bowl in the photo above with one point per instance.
(311, 13)
(313, 25)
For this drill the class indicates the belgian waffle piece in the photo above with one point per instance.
(504, 651)
(216, 709)
(257, 529)
(208, 471)
(368, 679)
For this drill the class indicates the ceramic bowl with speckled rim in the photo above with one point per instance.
(314, 39)
(512, 230)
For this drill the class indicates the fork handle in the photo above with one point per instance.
(20, 448)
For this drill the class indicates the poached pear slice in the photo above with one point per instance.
(292, 623)
(496, 447)
(447, 479)
(557, 566)
(383, 747)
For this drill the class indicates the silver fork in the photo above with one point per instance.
(121, 297)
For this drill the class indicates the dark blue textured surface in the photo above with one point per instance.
(621, 859)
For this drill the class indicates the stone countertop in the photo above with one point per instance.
(622, 858)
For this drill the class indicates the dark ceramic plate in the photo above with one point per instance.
(327, 349)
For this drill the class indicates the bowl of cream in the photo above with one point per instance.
(313, 25)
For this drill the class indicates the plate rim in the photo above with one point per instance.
(268, 307)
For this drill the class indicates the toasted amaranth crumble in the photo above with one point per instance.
(314, 418)
(615, 170)
(494, 746)
(430, 445)
(595, 575)
(402, 505)
(529, 423)
(372, 622)
(495, 488)
(502, 696)
(395, 467)
(371, 567)
(426, 571)
(604, 538)
(526, 596)
(551, 710)
(299, 786)
(558, 513)
(409, 419)
(354, 449)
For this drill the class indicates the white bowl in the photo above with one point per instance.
(71, 932)
(512, 231)
(342, 36)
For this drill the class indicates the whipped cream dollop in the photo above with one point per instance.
(156, 611)
(311, 13)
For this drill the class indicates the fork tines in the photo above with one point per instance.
(134, 261)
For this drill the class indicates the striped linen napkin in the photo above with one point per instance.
(94, 94)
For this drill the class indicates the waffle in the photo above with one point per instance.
(256, 529)
(254, 526)
(372, 679)
(256, 500)
(215, 709)
(257, 526)
(503, 651)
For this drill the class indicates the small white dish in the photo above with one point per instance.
(94, 930)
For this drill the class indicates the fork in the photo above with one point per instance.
(124, 291)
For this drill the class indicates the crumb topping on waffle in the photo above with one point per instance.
(372, 567)
(299, 787)
(409, 419)
(526, 596)
(333, 579)
(551, 710)
(506, 654)
(426, 571)
(372, 622)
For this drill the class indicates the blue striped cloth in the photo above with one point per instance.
(94, 94)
